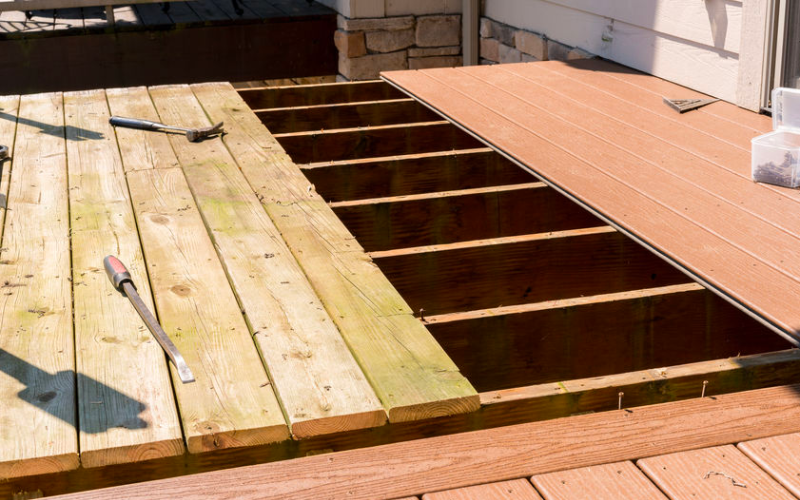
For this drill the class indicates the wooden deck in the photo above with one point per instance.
(733, 446)
(679, 184)
(194, 41)
(292, 334)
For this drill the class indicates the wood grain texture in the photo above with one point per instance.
(615, 481)
(518, 489)
(413, 174)
(451, 216)
(721, 472)
(777, 456)
(319, 94)
(473, 458)
(408, 370)
(636, 193)
(37, 384)
(321, 388)
(126, 407)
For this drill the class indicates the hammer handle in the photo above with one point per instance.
(119, 121)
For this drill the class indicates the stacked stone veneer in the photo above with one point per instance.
(369, 46)
(501, 43)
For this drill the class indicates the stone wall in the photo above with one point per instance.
(501, 43)
(369, 46)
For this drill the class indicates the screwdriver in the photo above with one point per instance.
(121, 279)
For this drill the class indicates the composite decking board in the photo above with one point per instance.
(321, 387)
(697, 242)
(473, 458)
(488, 273)
(126, 408)
(232, 403)
(614, 481)
(37, 356)
(516, 489)
(408, 370)
(414, 174)
(721, 472)
(779, 457)
(451, 216)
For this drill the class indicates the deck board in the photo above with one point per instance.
(614, 481)
(409, 371)
(779, 457)
(517, 489)
(126, 407)
(696, 222)
(37, 384)
(320, 385)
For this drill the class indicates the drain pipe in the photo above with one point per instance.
(470, 16)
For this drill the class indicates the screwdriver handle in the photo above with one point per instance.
(119, 121)
(116, 271)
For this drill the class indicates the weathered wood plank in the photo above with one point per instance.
(9, 107)
(410, 373)
(472, 458)
(314, 95)
(413, 174)
(344, 144)
(516, 346)
(453, 216)
(711, 473)
(37, 384)
(520, 269)
(617, 481)
(517, 489)
(232, 404)
(126, 407)
(778, 456)
(320, 386)
(344, 115)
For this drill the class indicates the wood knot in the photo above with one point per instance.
(47, 396)
(181, 290)
(159, 219)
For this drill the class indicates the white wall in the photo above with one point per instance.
(384, 8)
(695, 43)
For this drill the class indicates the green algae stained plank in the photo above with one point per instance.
(320, 386)
(232, 403)
(409, 371)
(126, 406)
(37, 379)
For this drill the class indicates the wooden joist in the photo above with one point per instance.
(232, 403)
(313, 95)
(474, 458)
(413, 174)
(37, 382)
(320, 386)
(452, 216)
(385, 140)
(408, 370)
(126, 407)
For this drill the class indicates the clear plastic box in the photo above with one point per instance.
(775, 155)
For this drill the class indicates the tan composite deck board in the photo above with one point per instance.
(37, 380)
(409, 371)
(126, 407)
(716, 241)
(517, 489)
(779, 456)
(232, 403)
(717, 473)
(511, 452)
(615, 481)
(321, 387)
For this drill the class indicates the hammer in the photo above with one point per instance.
(3, 152)
(193, 134)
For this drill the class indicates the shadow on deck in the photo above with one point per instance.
(193, 41)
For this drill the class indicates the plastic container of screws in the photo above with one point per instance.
(776, 155)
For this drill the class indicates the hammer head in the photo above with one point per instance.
(198, 134)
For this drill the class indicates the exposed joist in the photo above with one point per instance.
(413, 174)
(583, 337)
(342, 144)
(326, 93)
(344, 115)
(520, 269)
(471, 214)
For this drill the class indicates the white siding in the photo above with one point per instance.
(386, 8)
(694, 43)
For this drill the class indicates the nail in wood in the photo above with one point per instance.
(703, 394)
(619, 403)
